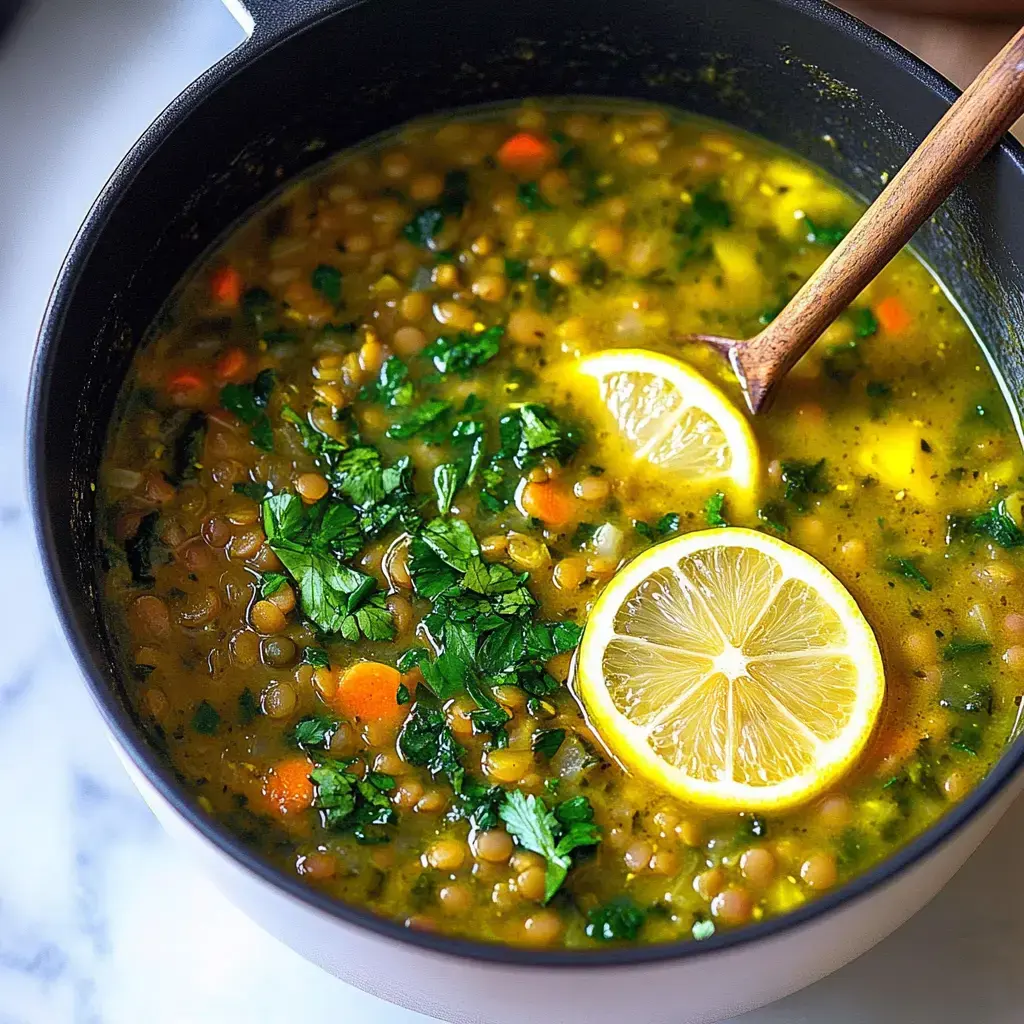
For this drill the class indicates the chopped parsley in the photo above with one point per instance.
(619, 920)
(312, 543)
(996, 524)
(802, 480)
(314, 731)
(824, 234)
(707, 211)
(909, 570)
(552, 834)
(464, 351)
(714, 510)
(205, 718)
(317, 657)
(327, 281)
(249, 402)
(427, 223)
(547, 741)
(348, 803)
(528, 194)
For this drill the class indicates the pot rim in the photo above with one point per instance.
(144, 757)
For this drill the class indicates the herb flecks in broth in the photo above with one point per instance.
(357, 512)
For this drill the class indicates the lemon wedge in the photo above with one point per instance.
(669, 416)
(732, 669)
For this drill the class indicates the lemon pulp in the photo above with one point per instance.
(732, 669)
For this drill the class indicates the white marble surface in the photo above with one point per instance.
(100, 920)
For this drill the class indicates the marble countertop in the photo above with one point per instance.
(101, 920)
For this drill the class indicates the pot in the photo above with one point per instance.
(315, 77)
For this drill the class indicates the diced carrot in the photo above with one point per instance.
(549, 502)
(368, 691)
(525, 155)
(288, 787)
(186, 386)
(892, 315)
(231, 365)
(226, 286)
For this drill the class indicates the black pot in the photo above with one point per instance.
(316, 77)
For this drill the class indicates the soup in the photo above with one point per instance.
(363, 497)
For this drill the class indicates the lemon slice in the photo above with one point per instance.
(732, 669)
(671, 417)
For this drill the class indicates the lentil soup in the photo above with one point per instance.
(357, 511)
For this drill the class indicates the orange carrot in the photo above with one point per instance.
(231, 365)
(368, 691)
(892, 315)
(226, 286)
(186, 386)
(288, 787)
(549, 502)
(525, 155)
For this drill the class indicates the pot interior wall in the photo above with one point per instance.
(774, 67)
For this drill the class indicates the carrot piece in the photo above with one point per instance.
(368, 691)
(288, 787)
(525, 154)
(892, 315)
(231, 365)
(226, 286)
(186, 386)
(549, 502)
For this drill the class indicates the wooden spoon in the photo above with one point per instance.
(970, 128)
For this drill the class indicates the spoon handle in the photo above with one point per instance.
(969, 129)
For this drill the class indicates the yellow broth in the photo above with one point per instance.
(890, 456)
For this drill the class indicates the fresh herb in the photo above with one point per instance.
(317, 657)
(667, 524)
(908, 569)
(425, 414)
(963, 689)
(393, 387)
(705, 212)
(802, 480)
(996, 524)
(271, 583)
(515, 270)
(967, 738)
(446, 483)
(320, 445)
(703, 928)
(402, 695)
(552, 834)
(427, 223)
(464, 351)
(327, 281)
(311, 543)
(548, 292)
(380, 493)
(619, 920)
(959, 647)
(248, 706)
(427, 741)
(843, 361)
(348, 803)
(251, 490)
(824, 234)
(547, 741)
(773, 514)
(205, 718)
(528, 194)
(249, 402)
(865, 323)
(314, 731)
(714, 510)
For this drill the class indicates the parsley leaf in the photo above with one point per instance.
(393, 386)
(714, 510)
(317, 657)
(205, 718)
(552, 835)
(427, 223)
(308, 542)
(996, 524)
(446, 483)
(248, 402)
(618, 920)
(464, 351)
(346, 802)
(802, 480)
(314, 731)
(428, 742)
(547, 741)
(824, 234)
(419, 418)
(271, 583)
(327, 281)
(706, 211)
(959, 647)
(381, 494)
(907, 568)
